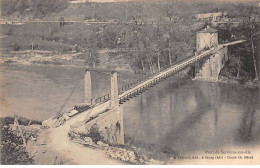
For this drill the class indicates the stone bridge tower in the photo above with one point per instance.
(209, 68)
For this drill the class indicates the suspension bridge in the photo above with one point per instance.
(134, 88)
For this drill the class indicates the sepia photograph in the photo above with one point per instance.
(129, 82)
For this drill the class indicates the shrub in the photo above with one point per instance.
(93, 134)
(12, 151)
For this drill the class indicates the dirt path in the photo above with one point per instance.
(59, 142)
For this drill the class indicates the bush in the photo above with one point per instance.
(93, 134)
(12, 151)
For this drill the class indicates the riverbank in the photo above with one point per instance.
(105, 59)
(54, 146)
(46, 147)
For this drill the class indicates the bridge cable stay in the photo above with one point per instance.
(69, 96)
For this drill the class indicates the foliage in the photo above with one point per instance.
(12, 151)
(240, 65)
(93, 134)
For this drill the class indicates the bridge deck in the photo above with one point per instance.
(166, 73)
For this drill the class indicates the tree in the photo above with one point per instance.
(253, 37)
(92, 58)
(156, 43)
(12, 150)
(250, 16)
(170, 35)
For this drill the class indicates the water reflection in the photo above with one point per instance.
(247, 125)
(187, 115)
(248, 130)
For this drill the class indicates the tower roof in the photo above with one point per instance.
(208, 29)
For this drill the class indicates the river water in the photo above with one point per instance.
(182, 114)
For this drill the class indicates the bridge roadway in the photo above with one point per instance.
(139, 87)
(165, 73)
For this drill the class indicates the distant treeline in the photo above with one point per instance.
(33, 8)
(124, 10)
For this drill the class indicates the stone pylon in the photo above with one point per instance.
(114, 103)
(121, 137)
(87, 88)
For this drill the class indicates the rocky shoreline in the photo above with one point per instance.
(126, 153)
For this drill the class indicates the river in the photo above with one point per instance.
(182, 114)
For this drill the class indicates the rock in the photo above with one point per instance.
(142, 161)
(131, 154)
(88, 140)
(99, 143)
(122, 154)
(157, 162)
(102, 144)
(132, 157)
(72, 113)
